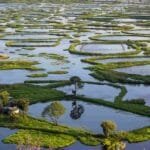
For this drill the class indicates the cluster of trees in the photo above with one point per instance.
(113, 139)
(6, 103)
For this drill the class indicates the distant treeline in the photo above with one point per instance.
(44, 1)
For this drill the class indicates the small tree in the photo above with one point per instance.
(23, 104)
(54, 111)
(13, 117)
(77, 82)
(108, 127)
(4, 97)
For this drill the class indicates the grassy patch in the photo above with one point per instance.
(42, 133)
(104, 71)
(133, 44)
(139, 135)
(38, 138)
(7, 65)
(34, 93)
(38, 75)
(46, 130)
(54, 56)
(115, 77)
(58, 72)
(30, 45)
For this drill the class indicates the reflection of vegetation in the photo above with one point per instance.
(54, 111)
(77, 111)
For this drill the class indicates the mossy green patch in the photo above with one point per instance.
(28, 65)
(46, 130)
(38, 75)
(58, 72)
(38, 138)
(54, 56)
(34, 93)
(139, 135)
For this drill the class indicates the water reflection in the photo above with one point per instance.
(93, 115)
(77, 110)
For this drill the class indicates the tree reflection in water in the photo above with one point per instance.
(78, 109)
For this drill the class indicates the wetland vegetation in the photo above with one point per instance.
(75, 74)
